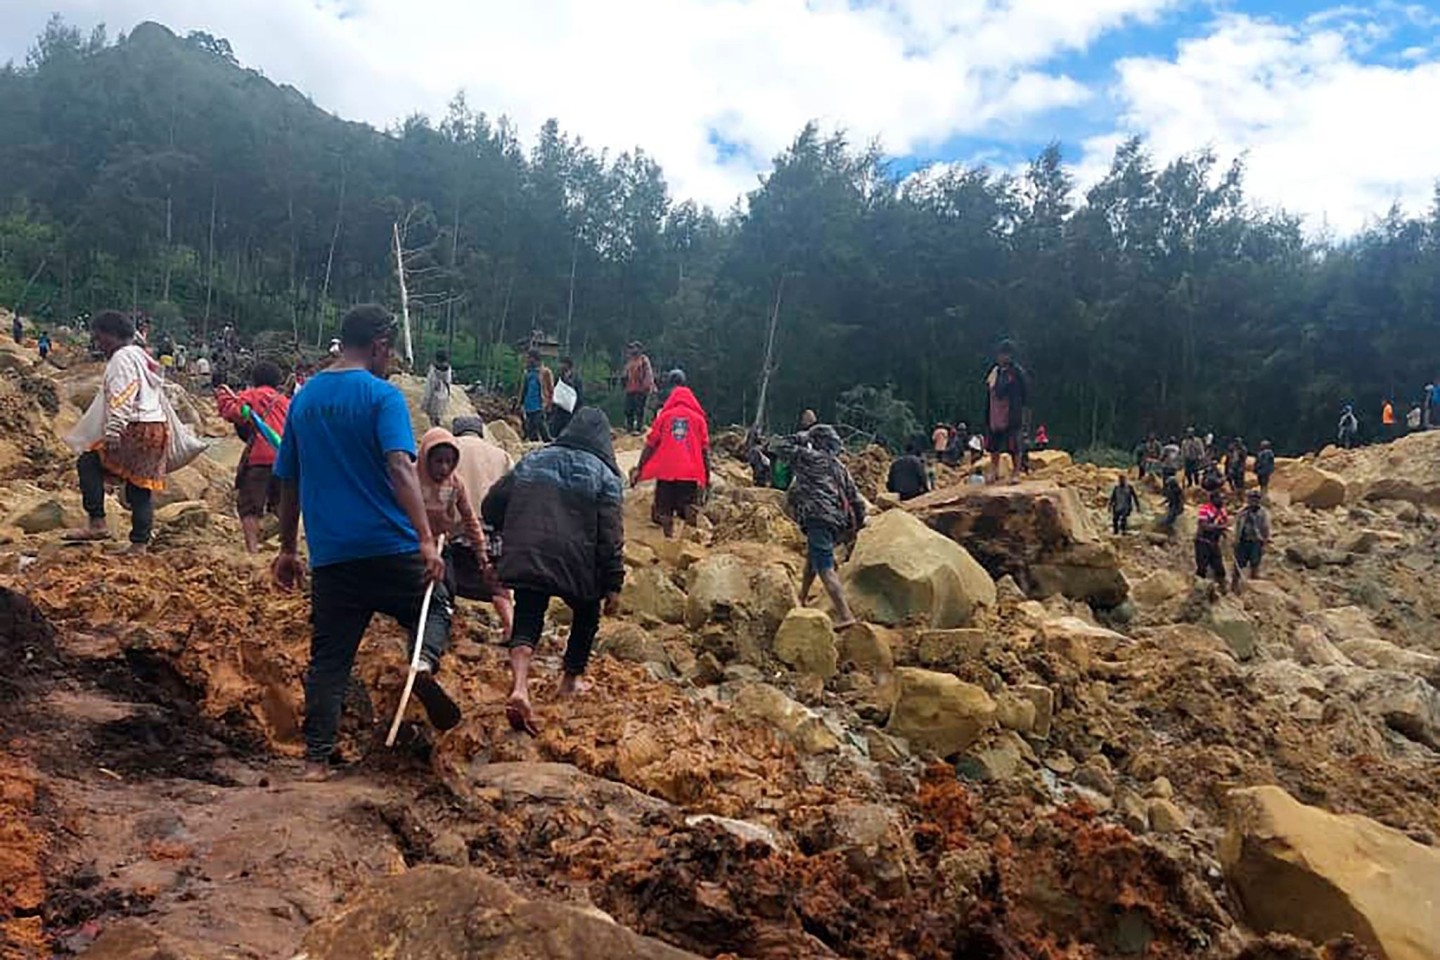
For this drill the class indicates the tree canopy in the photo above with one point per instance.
(155, 172)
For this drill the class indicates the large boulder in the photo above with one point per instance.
(1307, 485)
(1304, 871)
(649, 592)
(902, 571)
(1405, 703)
(1384, 655)
(719, 590)
(448, 913)
(806, 641)
(939, 712)
(1038, 532)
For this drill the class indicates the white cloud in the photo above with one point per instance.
(661, 74)
(1326, 134)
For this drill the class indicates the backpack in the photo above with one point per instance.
(1250, 525)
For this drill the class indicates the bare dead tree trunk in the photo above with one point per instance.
(209, 267)
(408, 343)
(570, 308)
(330, 260)
(769, 366)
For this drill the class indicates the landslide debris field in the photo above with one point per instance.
(1043, 743)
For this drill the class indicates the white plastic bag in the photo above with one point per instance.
(565, 396)
(181, 446)
(91, 428)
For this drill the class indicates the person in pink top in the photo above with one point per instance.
(256, 491)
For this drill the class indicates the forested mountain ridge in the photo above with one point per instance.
(157, 172)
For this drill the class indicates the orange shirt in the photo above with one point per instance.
(1387, 415)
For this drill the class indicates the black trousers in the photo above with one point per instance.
(1120, 522)
(1209, 561)
(536, 426)
(635, 411)
(530, 607)
(343, 599)
(1192, 472)
(92, 495)
(559, 420)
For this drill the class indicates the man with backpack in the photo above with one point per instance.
(256, 490)
(826, 504)
(1252, 534)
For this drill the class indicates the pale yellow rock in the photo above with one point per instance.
(1301, 870)
(1308, 486)
(806, 641)
(938, 711)
(902, 571)
(649, 592)
(1078, 641)
(1166, 817)
(794, 721)
(868, 648)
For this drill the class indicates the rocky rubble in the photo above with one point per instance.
(1042, 742)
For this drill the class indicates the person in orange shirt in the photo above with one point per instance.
(1387, 420)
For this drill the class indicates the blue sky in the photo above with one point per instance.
(1329, 103)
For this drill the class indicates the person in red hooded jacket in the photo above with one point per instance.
(256, 490)
(676, 455)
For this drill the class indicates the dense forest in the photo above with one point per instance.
(155, 172)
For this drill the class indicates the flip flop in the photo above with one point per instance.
(442, 711)
(521, 717)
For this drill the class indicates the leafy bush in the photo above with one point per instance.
(867, 414)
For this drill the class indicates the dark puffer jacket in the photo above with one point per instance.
(822, 492)
(560, 513)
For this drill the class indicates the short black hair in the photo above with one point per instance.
(532, 354)
(442, 356)
(566, 362)
(265, 373)
(114, 323)
(365, 324)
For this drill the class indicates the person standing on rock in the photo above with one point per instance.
(482, 465)
(828, 507)
(908, 477)
(1387, 420)
(130, 437)
(1265, 466)
(347, 464)
(17, 328)
(1171, 456)
(1123, 502)
(676, 455)
(1192, 455)
(639, 384)
(1235, 460)
(560, 512)
(256, 491)
(1413, 418)
(1349, 427)
(537, 396)
(1251, 537)
(1212, 523)
(1006, 393)
(1174, 502)
(43, 345)
(436, 400)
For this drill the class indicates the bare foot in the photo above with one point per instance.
(845, 624)
(315, 772)
(573, 686)
(520, 715)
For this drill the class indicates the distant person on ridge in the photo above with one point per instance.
(828, 508)
(676, 455)
(1042, 438)
(560, 512)
(1387, 420)
(1235, 460)
(1123, 501)
(17, 328)
(256, 490)
(1006, 394)
(1349, 427)
(1265, 466)
(908, 476)
(1252, 535)
(1171, 457)
(347, 464)
(939, 440)
(1413, 418)
(1212, 523)
(537, 396)
(436, 401)
(757, 459)
(1427, 419)
(1192, 455)
(639, 385)
(44, 346)
(955, 448)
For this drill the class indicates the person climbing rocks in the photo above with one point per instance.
(827, 506)
(1349, 428)
(1252, 534)
(1171, 456)
(347, 465)
(537, 393)
(1212, 524)
(438, 379)
(127, 441)
(1174, 503)
(560, 512)
(1413, 418)
(1265, 466)
(1123, 501)
(17, 328)
(1236, 458)
(1387, 419)
(676, 455)
(256, 490)
(639, 385)
(482, 465)
(1006, 393)
(1192, 455)
(908, 476)
(43, 345)
(756, 458)
(559, 415)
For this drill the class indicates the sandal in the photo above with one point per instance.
(521, 717)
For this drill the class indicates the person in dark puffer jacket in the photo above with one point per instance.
(827, 506)
(559, 511)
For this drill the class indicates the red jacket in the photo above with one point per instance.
(266, 402)
(678, 440)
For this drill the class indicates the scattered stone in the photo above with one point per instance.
(1383, 655)
(42, 516)
(1133, 811)
(806, 641)
(649, 592)
(1232, 624)
(1044, 699)
(1405, 703)
(1078, 641)
(1160, 789)
(1001, 759)
(939, 712)
(902, 572)
(708, 670)
(1309, 554)
(719, 590)
(630, 642)
(743, 829)
(795, 721)
(948, 649)
(1166, 817)
(1314, 649)
(885, 748)
(1301, 870)
(1097, 777)
(1015, 712)
(868, 648)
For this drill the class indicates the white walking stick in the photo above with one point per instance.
(414, 657)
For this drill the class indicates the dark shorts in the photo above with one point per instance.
(1248, 553)
(256, 492)
(1003, 441)
(820, 546)
(467, 577)
(675, 498)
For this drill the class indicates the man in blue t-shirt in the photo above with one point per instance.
(347, 464)
(537, 396)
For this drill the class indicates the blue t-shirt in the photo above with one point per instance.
(337, 435)
(532, 400)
